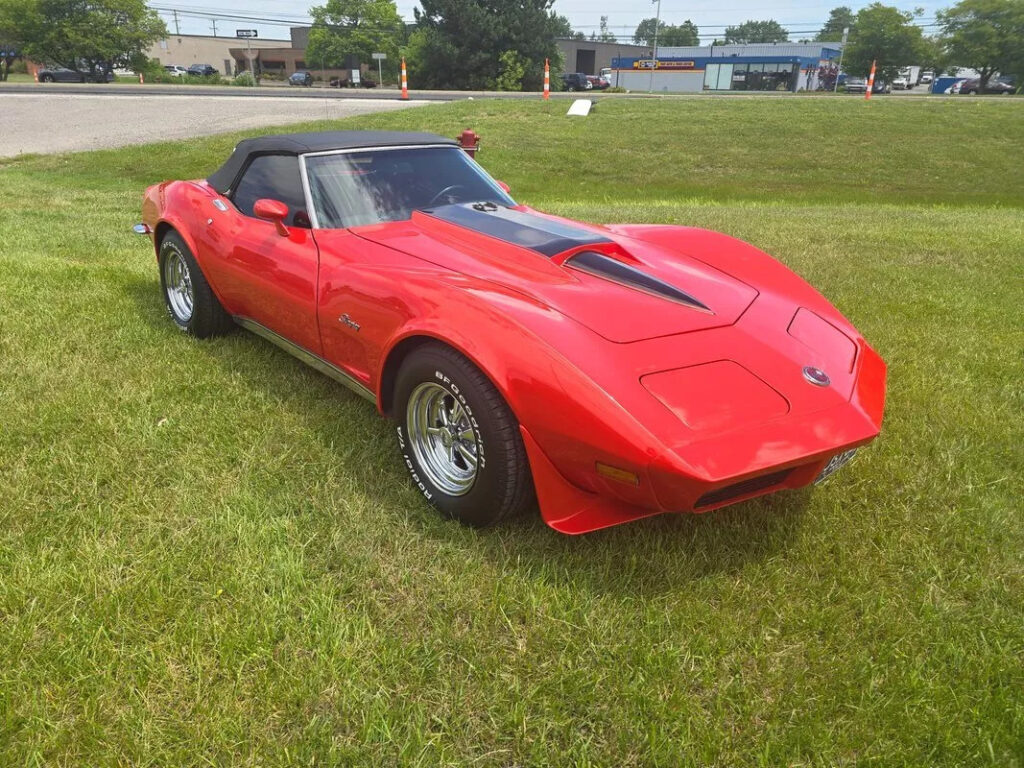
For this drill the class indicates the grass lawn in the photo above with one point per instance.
(210, 555)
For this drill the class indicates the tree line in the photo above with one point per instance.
(494, 44)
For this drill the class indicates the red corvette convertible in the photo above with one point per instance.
(612, 372)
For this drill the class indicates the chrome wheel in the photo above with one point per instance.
(442, 438)
(178, 285)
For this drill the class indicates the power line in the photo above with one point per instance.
(704, 30)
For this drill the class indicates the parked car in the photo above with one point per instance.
(598, 83)
(576, 81)
(301, 78)
(65, 75)
(174, 70)
(612, 373)
(972, 87)
(860, 85)
(202, 70)
(855, 84)
(901, 83)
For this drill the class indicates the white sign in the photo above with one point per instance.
(580, 108)
(246, 33)
(379, 56)
(355, 77)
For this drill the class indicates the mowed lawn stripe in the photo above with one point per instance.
(211, 554)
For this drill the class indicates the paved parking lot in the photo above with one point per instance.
(68, 123)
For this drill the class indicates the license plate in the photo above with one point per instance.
(835, 463)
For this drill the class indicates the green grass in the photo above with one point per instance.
(210, 555)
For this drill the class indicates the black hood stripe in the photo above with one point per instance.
(599, 265)
(524, 229)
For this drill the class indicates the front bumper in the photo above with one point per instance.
(712, 473)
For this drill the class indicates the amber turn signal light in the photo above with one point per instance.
(617, 473)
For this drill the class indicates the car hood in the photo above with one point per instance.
(624, 288)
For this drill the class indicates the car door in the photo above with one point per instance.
(259, 273)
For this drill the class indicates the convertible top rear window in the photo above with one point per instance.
(353, 189)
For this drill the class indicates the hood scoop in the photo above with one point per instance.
(600, 265)
(527, 230)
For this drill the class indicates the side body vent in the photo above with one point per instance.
(606, 267)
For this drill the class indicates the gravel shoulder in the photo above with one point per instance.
(71, 123)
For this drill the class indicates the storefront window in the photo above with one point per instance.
(711, 76)
(725, 77)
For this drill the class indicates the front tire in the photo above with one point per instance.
(190, 301)
(459, 439)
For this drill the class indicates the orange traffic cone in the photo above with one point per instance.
(871, 83)
(142, 80)
(547, 80)
(35, 73)
(405, 82)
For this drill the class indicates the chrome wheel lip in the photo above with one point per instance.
(442, 438)
(178, 285)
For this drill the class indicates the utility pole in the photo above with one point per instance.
(214, 25)
(846, 34)
(177, 29)
(654, 63)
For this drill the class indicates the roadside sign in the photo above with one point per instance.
(379, 56)
(246, 33)
(355, 77)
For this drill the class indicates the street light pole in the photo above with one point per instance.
(846, 34)
(654, 63)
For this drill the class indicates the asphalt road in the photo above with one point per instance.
(61, 122)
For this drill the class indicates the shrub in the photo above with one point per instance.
(513, 68)
(244, 79)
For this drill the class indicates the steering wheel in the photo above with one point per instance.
(447, 190)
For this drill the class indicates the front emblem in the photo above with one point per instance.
(816, 376)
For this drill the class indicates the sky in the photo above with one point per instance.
(711, 16)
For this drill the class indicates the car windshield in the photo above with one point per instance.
(353, 189)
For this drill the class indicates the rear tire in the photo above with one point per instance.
(190, 301)
(459, 439)
(46, 79)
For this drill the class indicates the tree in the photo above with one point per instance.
(885, 35)
(354, 28)
(986, 35)
(87, 34)
(838, 19)
(644, 34)
(10, 35)
(603, 34)
(563, 29)
(458, 43)
(769, 31)
(684, 34)
(933, 56)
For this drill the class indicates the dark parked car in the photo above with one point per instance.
(598, 83)
(65, 75)
(576, 81)
(301, 78)
(202, 70)
(973, 87)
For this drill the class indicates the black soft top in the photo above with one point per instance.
(303, 143)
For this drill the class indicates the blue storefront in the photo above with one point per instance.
(788, 67)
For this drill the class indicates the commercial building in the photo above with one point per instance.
(186, 50)
(591, 56)
(758, 67)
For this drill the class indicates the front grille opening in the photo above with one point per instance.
(742, 488)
